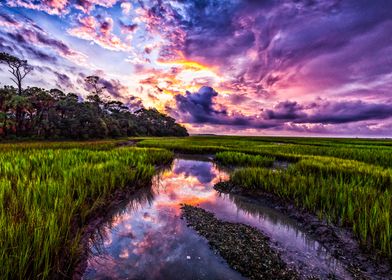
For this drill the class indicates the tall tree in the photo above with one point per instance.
(36, 112)
(97, 89)
(17, 67)
(6, 121)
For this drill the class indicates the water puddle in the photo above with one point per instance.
(148, 240)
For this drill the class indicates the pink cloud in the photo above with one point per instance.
(88, 5)
(53, 7)
(25, 32)
(99, 32)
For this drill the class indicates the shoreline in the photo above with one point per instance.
(99, 217)
(245, 248)
(340, 242)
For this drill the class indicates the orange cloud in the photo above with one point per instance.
(186, 63)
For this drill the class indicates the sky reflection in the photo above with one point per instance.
(149, 240)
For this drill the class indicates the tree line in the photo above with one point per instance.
(39, 113)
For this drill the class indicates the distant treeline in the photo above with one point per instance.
(36, 112)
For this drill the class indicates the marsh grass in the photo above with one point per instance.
(44, 191)
(346, 170)
(241, 159)
(50, 190)
(375, 152)
(91, 145)
(345, 181)
(350, 202)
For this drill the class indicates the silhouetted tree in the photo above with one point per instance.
(17, 67)
(36, 112)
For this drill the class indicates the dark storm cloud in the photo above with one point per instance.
(349, 111)
(199, 105)
(17, 45)
(286, 110)
(199, 108)
(203, 172)
(272, 57)
(84, 5)
(325, 112)
(134, 103)
(278, 38)
(6, 18)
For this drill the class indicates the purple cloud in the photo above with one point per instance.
(200, 108)
(300, 66)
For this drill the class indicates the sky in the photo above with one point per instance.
(247, 67)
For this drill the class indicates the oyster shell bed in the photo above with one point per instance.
(244, 247)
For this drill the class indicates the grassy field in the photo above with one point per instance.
(50, 190)
(48, 193)
(242, 159)
(345, 181)
(376, 152)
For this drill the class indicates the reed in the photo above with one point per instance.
(241, 159)
(43, 192)
(374, 152)
(350, 202)
(345, 181)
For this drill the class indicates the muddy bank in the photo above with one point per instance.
(128, 143)
(340, 242)
(244, 248)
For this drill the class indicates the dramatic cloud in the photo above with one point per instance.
(291, 67)
(98, 30)
(126, 7)
(63, 81)
(113, 87)
(23, 33)
(61, 7)
(87, 6)
(285, 111)
(348, 111)
(200, 108)
(53, 7)
(127, 28)
(199, 105)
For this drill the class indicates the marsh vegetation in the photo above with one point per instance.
(48, 195)
(50, 191)
(345, 181)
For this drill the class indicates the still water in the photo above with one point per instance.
(148, 239)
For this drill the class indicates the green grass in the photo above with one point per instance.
(50, 190)
(91, 145)
(376, 152)
(346, 170)
(47, 196)
(345, 181)
(241, 159)
(352, 203)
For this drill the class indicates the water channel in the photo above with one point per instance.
(149, 240)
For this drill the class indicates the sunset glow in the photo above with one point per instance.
(318, 68)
